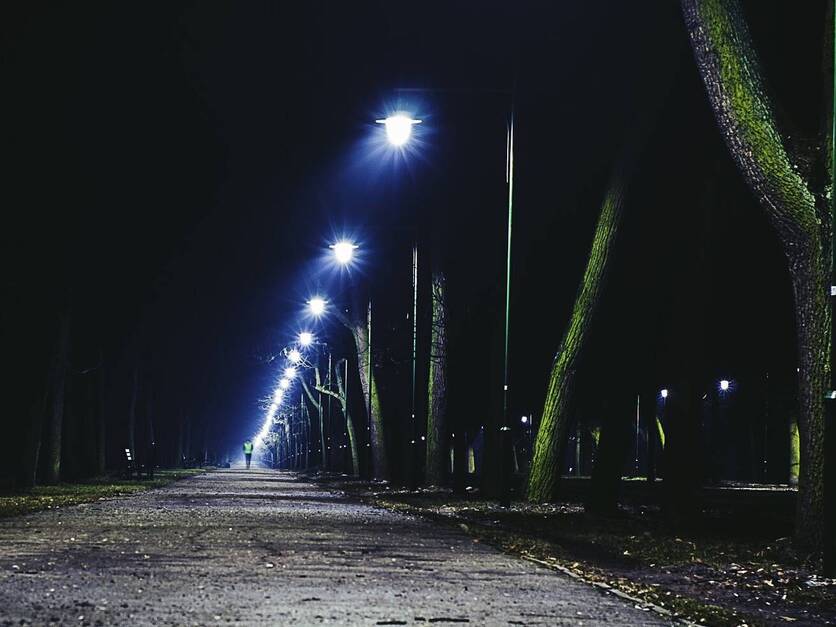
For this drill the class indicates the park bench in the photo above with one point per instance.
(133, 470)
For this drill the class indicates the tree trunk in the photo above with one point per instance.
(132, 412)
(101, 422)
(150, 436)
(306, 426)
(437, 449)
(368, 383)
(551, 437)
(31, 459)
(794, 452)
(731, 73)
(612, 451)
(56, 417)
(349, 424)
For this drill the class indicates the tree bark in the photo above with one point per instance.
(731, 73)
(612, 451)
(368, 383)
(349, 424)
(316, 401)
(56, 417)
(35, 431)
(101, 422)
(132, 412)
(437, 449)
(551, 437)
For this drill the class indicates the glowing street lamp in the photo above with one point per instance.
(277, 397)
(524, 420)
(665, 393)
(284, 383)
(289, 372)
(398, 128)
(316, 305)
(306, 338)
(294, 356)
(344, 251)
(724, 385)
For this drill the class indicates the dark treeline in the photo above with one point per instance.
(164, 236)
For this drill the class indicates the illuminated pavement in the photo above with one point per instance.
(264, 547)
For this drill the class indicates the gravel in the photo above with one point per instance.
(266, 547)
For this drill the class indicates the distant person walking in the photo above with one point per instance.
(248, 452)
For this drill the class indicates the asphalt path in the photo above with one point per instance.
(266, 547)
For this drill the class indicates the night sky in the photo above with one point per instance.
(175, 172)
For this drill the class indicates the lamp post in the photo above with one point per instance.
(398, 130)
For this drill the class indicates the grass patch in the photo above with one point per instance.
(66, 494)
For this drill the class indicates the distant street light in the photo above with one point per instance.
(289, 372)
(277, 397)
(724, 385)
(665, 393)
(306, 338)
(284, 383)
(524, 420)
(316, 305)
(294, 356)
(344, 251)
(398, 128)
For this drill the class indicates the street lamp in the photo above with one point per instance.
(306, 338)
(344, 251)
(284, 383)
(294, 356)
(289, 372)
(398, 131)
(316, 305)
(724, 385)
(398, 128)
(664, 392)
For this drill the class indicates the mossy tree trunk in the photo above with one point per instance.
(551, 436)
(437, 450)
(800, 215)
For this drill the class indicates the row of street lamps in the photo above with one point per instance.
(399, 129)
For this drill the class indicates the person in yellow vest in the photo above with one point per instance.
(248, 452)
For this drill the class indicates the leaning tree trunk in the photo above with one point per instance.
(551, 437)
(731, 72)
(437, 455)
(56, 417)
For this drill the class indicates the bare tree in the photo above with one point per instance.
(340, 395)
